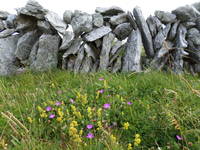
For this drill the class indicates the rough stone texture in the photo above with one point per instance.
(90, 52)
(119, 19)
(45, 27)
(131, 20)
(105, 51)
(111, 11)
(185, 13)
(161, 37)
(97, 20)
(6, 33)
(189, 25)
(132, 58)
(97, 33)
(117, 54)
(87, 65)
(67, 16)
(67, 40)
(47, 53)
(7, 57)
(10, 21)
(146, 35)
(154, 25)
(55, 20)
(2, 26)
(33, 54)
(79, 60)
(181, 35)
(3, 15)
(123, 30)
(116, 47)
(173, 31)
(81, 22)
(34, 9)
(25, 44)
(117, 65)
(165, 17)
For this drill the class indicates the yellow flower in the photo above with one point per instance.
(137, 136)
(72, 131)
(129, 146)
(39, 109)
(99, 124)
(105, 84)
(59, 119)
(137, 141)
(99, 112)
(89, 110)
(78, 114)
(73, 108)
(43, 115)
(126, 126)
(30, 120)
(113, 138)
(60, 113)
(80, 132)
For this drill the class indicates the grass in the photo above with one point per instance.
(147, 111)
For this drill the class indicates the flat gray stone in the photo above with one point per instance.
(146, 35)
(34, 9)
(6, 33)
(67, 16)
(47, 54)
(131, 20)
(119, 52)
(87, 65)
(67, 40)
(116, 47)
(45, 27)
(55, 20)
(97, 20)
(10, 21)
(173, 31)
(161, 37)
(132, 58)
(117, 65)
(154, 25)
(181, 35)
(190, 24)
(110, 11)
(123, 30)
(33, 54)
(2, 26)
(7, 57)
(79, 60)
(97, 34)
(3, 15)
(105, 51)
(165, 17)
(119, 19)
(25, 44)
(90, 52)
(81, 22)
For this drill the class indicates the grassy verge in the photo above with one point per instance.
(62, 110)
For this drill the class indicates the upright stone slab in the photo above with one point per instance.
(146, 35)
(7, 55)
(106, 47)
(132, 58)
(47, 53)
(165, 17)
(123, 30)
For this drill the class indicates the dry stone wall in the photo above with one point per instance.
(108, 40)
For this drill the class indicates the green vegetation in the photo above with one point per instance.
(62, 110)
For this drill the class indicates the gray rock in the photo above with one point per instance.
(119, 19)
(111, 11)
(132, 58)
(67, 40)
(154, 25)
(79, 59)
(185, 13)
(118, 53)
(97, 20)
(165, 17)
(34, 9)
(173, 31)
(10, 21)
(4, 15)
(25, 44)
(146, 35)
(193, 35)
(116, 47)
(70, 62)
(81, 22)
(189, 25)
(2, 26)
(90, 52)
(55, 20)
(33, 54)
(6, 33)
(47, 53)
(87, 65)
(98, 43)
(97, 34)
(123, 30)
(181, 35)
(131, 20)
(117, 65)
(161, 37)
(67, 16)
(44, 27)
(105, 51)
(7, 57)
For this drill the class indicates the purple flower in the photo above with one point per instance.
(89, 126)
(106, 106)
(101, 91)
(51, 116)
(58, 103)
(48, 108)
(101, 79)
(90, 135)
(71, 100)
(178, 137)
(129, 103)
